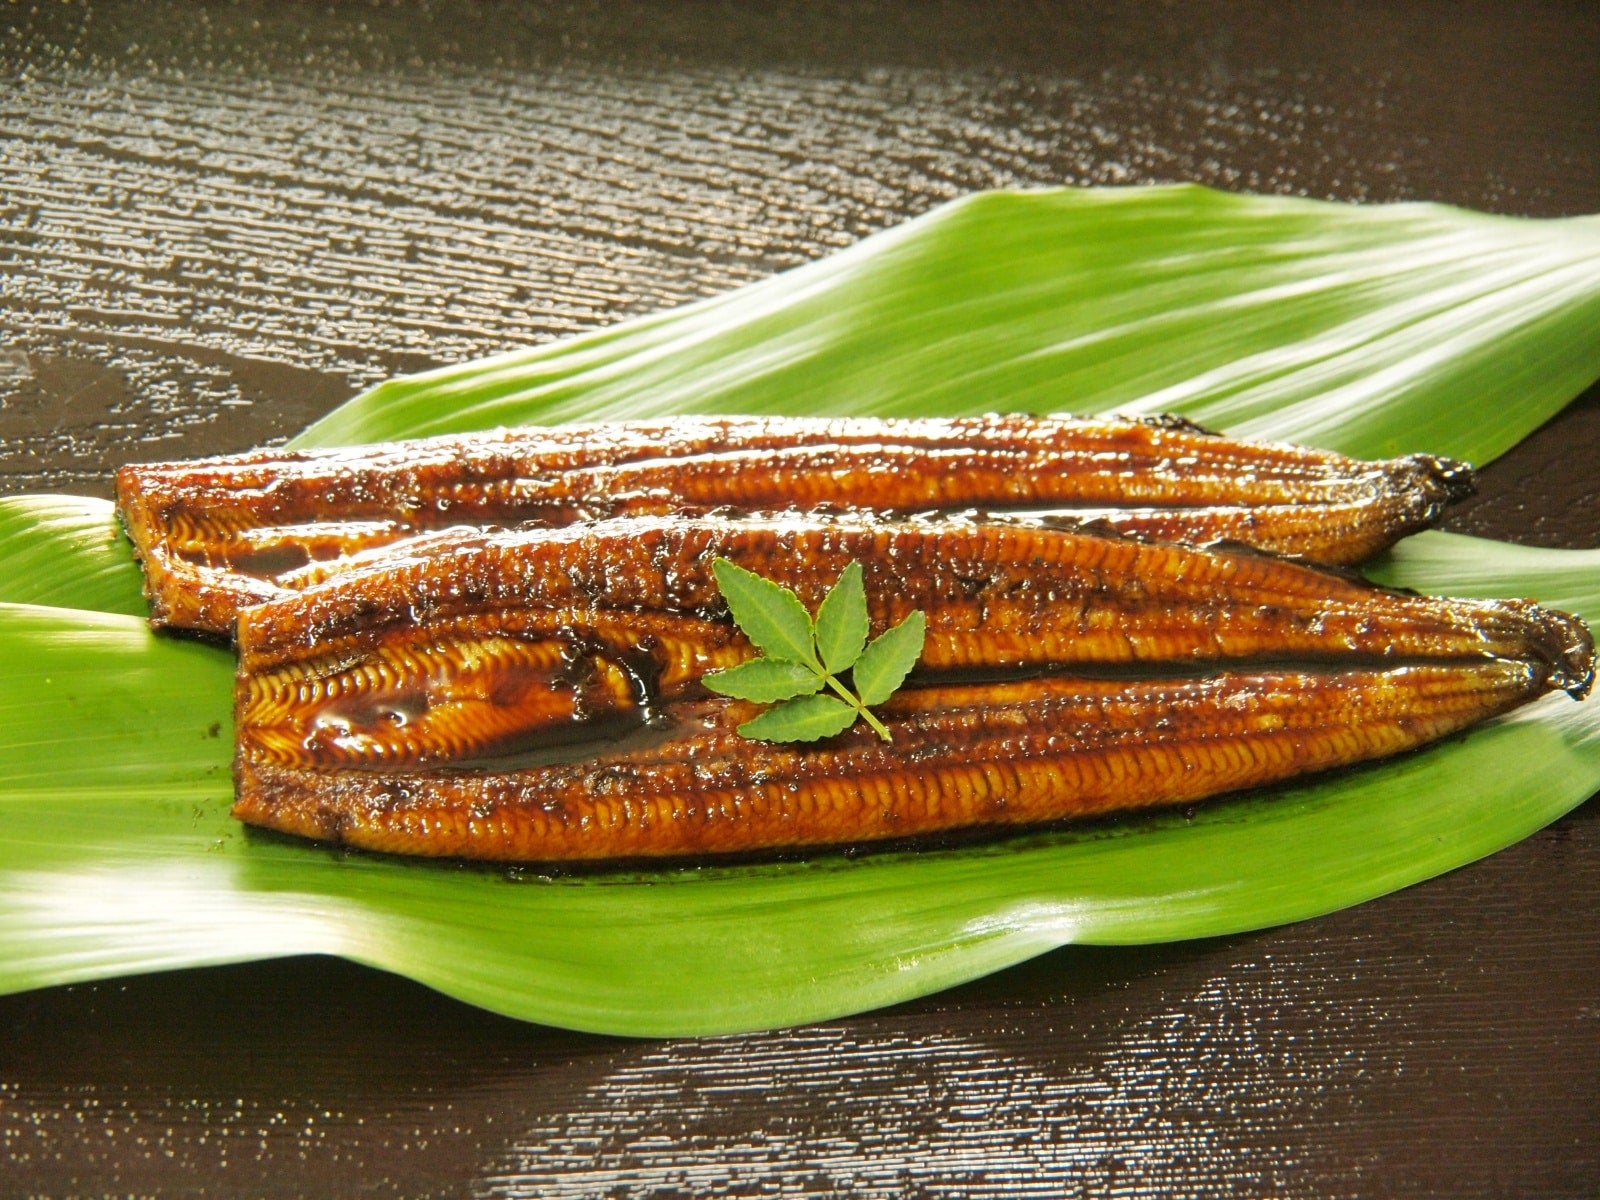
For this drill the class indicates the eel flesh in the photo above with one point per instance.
(218, 534)
(534, 695)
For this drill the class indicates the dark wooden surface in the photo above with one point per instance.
(216, 221)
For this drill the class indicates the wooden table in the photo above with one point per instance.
(216, 222)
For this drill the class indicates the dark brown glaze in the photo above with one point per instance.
(219, 534)
(961, 758)
(534, 695)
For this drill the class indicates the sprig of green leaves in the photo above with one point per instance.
(800, 657)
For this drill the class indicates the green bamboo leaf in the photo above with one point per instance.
(808, 719)
(119, 856)
(769, 614)
(1371, 329)
(887, 661)
(764, 681)
(842, 621)
(67, 550)
(1411, 327)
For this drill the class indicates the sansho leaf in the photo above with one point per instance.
(807, 719)
(764, 680)
(770, 615)
(885, 663)
(842, 621)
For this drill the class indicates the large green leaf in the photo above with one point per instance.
(67, 550)
(118, 854)
(1368, 329)
(1427, 328)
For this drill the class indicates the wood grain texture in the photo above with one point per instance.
(218, 220)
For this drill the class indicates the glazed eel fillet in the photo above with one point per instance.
(219, 534)
(534, 695)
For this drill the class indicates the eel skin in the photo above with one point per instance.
(534, 696)
(219, 534)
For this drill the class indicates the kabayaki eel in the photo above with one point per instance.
(219, 534)
(536, 696)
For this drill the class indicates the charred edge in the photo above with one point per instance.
(1565, 643)
(1174, 422)
(1444, 481)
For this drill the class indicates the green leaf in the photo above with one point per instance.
(885, 663)
(764, 680)
(770, 615)
(842, 621)
(68, 550)
(117, 854)
(808, 719)
(1372, 329)
(1408, 327)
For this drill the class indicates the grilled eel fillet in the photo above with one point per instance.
(219, 534)
(535, 696)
